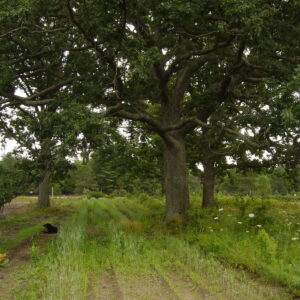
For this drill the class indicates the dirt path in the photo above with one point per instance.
(172, 285)
(105, 287)
(188, 290)
(20, 255)
(13, 208)
(112, 286)
(18, 258)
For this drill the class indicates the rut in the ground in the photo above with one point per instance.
(106, 287)
(188, 290)
(154, 286)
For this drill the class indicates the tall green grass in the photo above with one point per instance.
(133, 239)
(253, 234)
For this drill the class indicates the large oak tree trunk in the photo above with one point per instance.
(175, 179)
(43, 199)
(209, 176)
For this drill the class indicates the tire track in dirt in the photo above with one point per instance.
(115, 285)
(112, 286)
(165, 283)
(146, 287)
(187, 289)
(106, 287)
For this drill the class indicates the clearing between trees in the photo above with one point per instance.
(120, 248)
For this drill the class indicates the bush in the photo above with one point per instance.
(267, 246)
(94, 194)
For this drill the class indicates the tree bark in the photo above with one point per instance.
(175, 179)
(209, 176)
(162, 179)
(43, 199)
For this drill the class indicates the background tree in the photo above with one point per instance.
(14, 177)
(33, 73)
(48, 135)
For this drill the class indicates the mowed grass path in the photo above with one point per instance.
(121, 249)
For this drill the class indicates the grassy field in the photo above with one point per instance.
(120, 248)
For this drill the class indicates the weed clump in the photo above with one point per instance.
(267, 247)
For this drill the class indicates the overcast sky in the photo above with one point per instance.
(7, 147)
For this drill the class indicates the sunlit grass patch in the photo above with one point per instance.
(68, 272)
(24, 234)
(25, 225)
(30, 199)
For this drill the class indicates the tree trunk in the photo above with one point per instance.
(208, 199)
(162, 179)
(43, 200)
(175, 179)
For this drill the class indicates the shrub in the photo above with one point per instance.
(267, 246)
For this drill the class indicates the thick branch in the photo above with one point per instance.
(36, 55)
(13, 99)
(196, 53)
(139, 116)
(50, 89)
(183, 78)
(194, 122)
(120, 110)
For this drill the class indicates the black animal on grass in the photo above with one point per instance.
(49, 228)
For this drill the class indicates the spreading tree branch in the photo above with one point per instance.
(12, 99)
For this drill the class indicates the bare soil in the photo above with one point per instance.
(12, 208)
(18, 257)
(114, 286)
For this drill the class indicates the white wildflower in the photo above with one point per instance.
(258, 225)
(251, 215)
(221, 209)
(295, 238)
(216, 218)
(247, 230)
(240, 222)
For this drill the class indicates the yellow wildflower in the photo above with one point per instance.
(2, 257)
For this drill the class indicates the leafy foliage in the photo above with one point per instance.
(14, 177)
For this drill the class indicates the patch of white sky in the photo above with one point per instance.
(131, 28)
(123, 128)
(9, 145)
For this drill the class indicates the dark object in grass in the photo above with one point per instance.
(49, 228)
